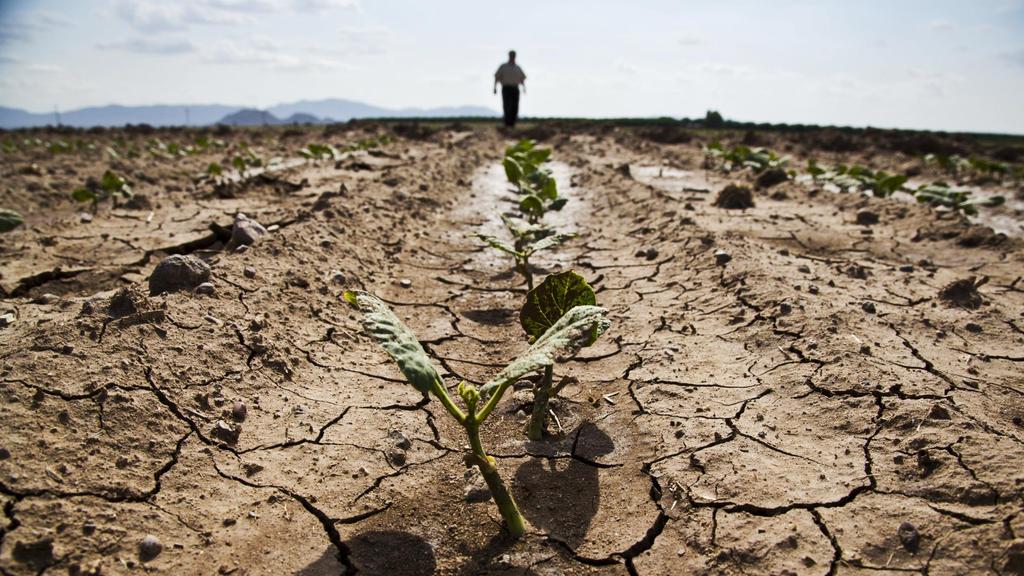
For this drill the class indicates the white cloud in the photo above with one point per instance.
(150, 46)
(690, 41)
(159, 16)
(21, 26)
(268, 54)
(941, 25)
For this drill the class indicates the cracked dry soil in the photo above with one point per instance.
(809, 407)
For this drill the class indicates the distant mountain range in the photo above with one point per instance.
(302, 112)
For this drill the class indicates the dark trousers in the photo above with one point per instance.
(510, 102)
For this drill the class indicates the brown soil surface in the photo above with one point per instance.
(811, 406)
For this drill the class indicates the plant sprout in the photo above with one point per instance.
(577, 328)
(522, 253)
(940, 194)
(880, 184)
(110, 186)
(538, 188)
(739, 157)
(319, 152)
(545, 305)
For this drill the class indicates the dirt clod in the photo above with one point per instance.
(178, 272)
(722, 257)
(38, 553)
(245, 232)
(771, 177)
(734, 197)
(909, 537)
(226, 432)
(867, 218)
(962, 293)
(206, 289)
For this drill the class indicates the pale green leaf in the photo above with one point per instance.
(396, 339)
(575, 329)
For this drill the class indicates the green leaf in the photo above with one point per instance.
(549, 242)
(9, 220)
(575, 329)
(111, 182)
(539, 156)
(532, 206)
(496, 243)
(214, 169)
(513, 171)
(550, 300)
(549, 191)
(396, 339)
(558, 204)
(83, 195)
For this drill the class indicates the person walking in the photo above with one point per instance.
(510, 76)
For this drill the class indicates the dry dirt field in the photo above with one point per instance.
(817, 404)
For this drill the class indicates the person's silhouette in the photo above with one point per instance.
(510, 76)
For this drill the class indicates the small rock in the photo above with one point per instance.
(722, 257)
(238, 411)
(867, 218)
(229, 522)
(868, 307)
(734, 197)
(973, 328)
(397, 457)
(907, 268)
(804, 269)
(249, 272)
(771, 177)
(337, 277)
(6, 319)
(785, 308)
(939, 412)
(178, 272)
(4, 453)
(245, 232)
(813, 289)
(476, 488)
(206, 289)
(122, 462)
(47, 298)
(84, 217)
(405, 283)
(149, 548)
(909, 537)
(648, 254)
(400, 439)
(226, 432)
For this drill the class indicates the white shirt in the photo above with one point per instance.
(509, 74)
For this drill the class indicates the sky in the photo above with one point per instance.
(923, 64)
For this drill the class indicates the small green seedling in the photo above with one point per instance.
(9, 220)
(740, 157)
(880, 184)
(538, 188)
(522, 253)
(577, 328)
(545, 305)
(110, 186)
(319, 152)
(941, 194)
